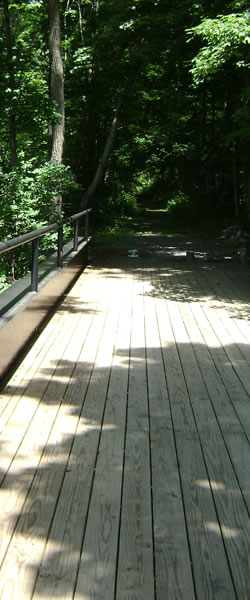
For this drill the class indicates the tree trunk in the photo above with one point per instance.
(12, 114)
(103, 164)
(235, 183)
(56, 85)
(247, 193)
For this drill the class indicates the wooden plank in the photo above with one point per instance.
(231, 509)
(235, 390)
(219, 398)
(12, 391)
(226, 308)
(179, 399)
(39, 348)
(232, 283)
(235, 283)
(60, 563)
(211, 572)
(224, 410)
(182, 529)
(27, 399)
(21, 378)
(18, 572)
(29, 403)
(97, 577)
(232, 513)
(135, 572)
(173, 571)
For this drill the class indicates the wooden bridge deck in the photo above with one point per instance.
(124, 447)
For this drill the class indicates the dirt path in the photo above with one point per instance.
(152, 241)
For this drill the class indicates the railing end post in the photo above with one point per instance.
(34, 266)
(60, 247)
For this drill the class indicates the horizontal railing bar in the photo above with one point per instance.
(37, 233)
(80, 214)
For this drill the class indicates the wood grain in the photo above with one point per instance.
(125, 440)
(211, 572)
(173, 570)
(135, 575)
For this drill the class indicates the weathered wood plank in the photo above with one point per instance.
(211, 572)
(232, 514)
(135, 575)
(235, 390)
(29, 536)
(230, 336)
(234, 314)
(224, 411)
(130, 478)
(235, 285)
(235, 518)
(97, 577)
(173, 570)
(13, 390)
(30, 365)
(60, 563)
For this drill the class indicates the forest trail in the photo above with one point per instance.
(155, 238)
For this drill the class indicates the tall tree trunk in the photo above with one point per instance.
(91, 125)
(56, 90)
(103, 164)
(235, 182)
(247, 192)
(12, 114)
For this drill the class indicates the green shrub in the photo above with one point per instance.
(28, 201)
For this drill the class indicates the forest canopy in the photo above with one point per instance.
(105, 102)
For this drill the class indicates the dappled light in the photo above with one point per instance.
(125, 399)
(228, 532)
(125, 440)
(206, 484)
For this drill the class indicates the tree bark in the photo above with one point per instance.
(56, 84)
(103, 164)
(235, 182)
(12, 114)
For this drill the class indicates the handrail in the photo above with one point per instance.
(35, 235)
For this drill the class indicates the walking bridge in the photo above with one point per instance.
(125, 439)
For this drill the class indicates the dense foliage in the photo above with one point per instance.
(179, 73)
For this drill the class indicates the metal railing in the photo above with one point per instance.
(34, 237)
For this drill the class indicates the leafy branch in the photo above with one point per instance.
(226, 37)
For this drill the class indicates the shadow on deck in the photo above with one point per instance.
(125, 440)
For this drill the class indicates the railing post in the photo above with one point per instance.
(86, 226)
(59, 247)
(34, 236)
(34, 266)
(76, 230)
(93, 222)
